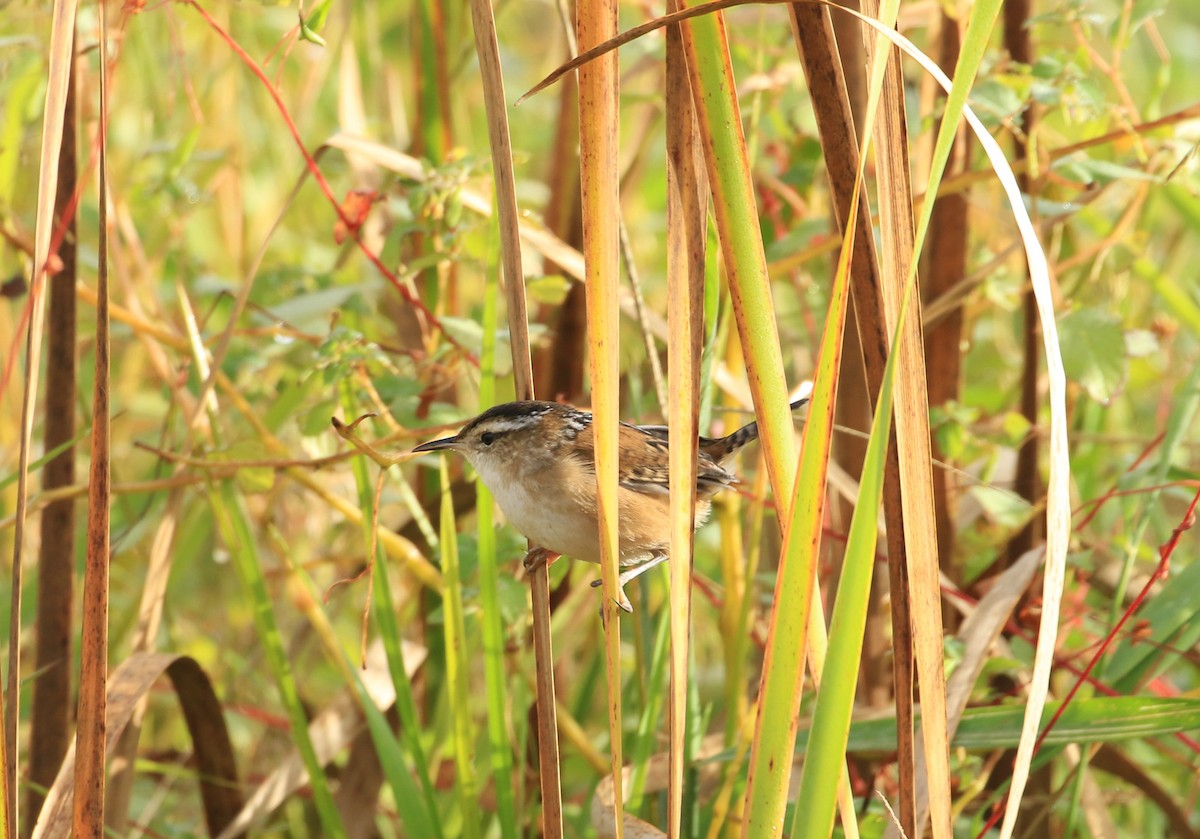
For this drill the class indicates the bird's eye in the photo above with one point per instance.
(487, 438)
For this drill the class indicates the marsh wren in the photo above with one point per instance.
(538, 460)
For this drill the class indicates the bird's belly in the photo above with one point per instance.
(562, 523)
(551, 521)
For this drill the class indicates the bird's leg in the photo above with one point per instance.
(633, 573)
(637, 570)
(537, 557)
(622, 599)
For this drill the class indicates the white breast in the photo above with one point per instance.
(550, 519)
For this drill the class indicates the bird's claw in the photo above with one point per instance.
(621, 599)
(538, 557)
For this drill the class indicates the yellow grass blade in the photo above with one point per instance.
(686, 229)
(598, 175)
(61, 55)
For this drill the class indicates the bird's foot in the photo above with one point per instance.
(622, 600)
(622, 603)
(538, 557)
(631, 573)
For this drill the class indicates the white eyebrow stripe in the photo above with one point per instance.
(500, 426)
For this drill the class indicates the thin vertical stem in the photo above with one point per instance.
(88, 818)
(598, 120)
(686, 241)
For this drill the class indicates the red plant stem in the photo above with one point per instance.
(60, 230)
(315, 171)
(1164, 560)
(73, 205)
(40, 276)
(1102, 500)
(1160, 573)
(1128, 493)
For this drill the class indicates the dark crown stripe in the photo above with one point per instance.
(514, 411)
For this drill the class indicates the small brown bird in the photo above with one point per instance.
(538, 460)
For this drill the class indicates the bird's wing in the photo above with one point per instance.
(648, 472)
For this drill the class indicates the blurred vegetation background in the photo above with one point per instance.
(237, 525)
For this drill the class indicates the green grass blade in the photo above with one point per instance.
(239, 540)
(457, 667)
(1101, 719)
(418, 818)
(499, 748)
(383, 609)
(1129, 655)
(817, 798)
(737, 221)
(646, 735)
(35, 465)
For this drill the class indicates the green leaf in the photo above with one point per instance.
(1093, 346)
(182, 153)
(1177, 293)
(994, 100)
(1103, 719)
(292, 395)
(1143, 11)
(312, 310)
(311, 26)
(1002, 506)
(1099, 720)
(1140, 343)
(9, 479)
(1015, 426)
(25, 81)
(316, 421)
(551, 289)
(1171, 616)
(465, 331)
(1088, 169)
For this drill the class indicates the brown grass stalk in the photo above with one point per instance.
(835, 122)
(50, 713)
(1028, 480)
(911, 438)
(508, 216)
(90, 751)
(945, 266)
(216, 768)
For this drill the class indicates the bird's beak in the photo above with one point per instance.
(437, 445)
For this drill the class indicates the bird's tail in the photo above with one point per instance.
(720, 448)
